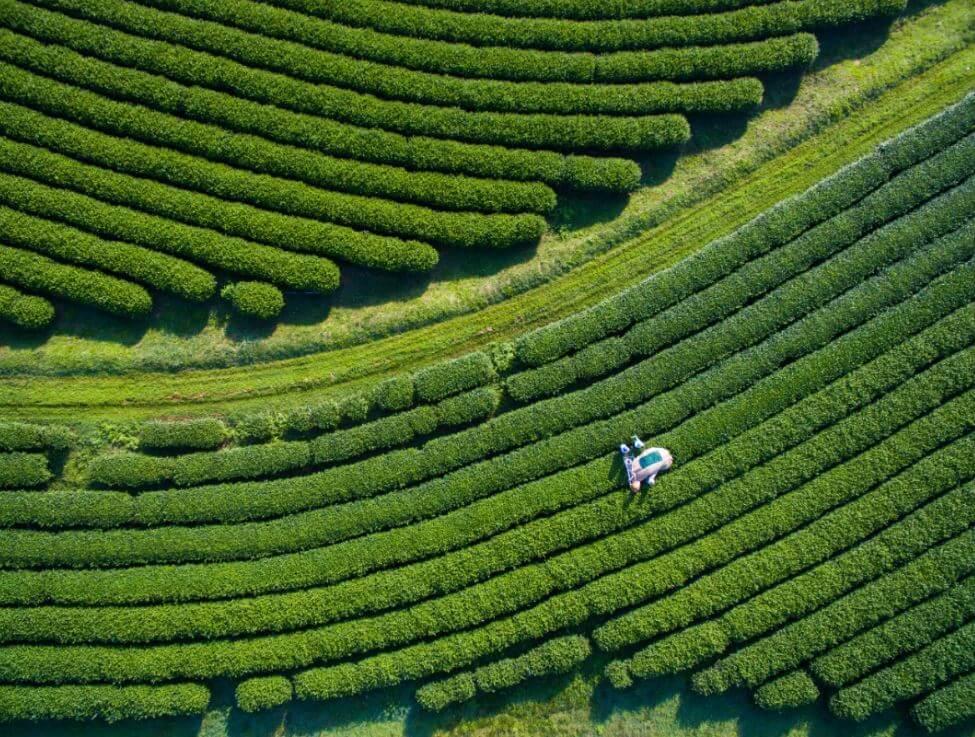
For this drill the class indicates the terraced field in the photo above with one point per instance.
(439, 519)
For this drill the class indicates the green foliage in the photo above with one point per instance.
(23, 469)
(35, 272)
(205, 432)
(258, 694)
(777, 226)
(948, 705)
(559, 655)
(443, 379)
(924, 671)
(24, 310)
(788, 692)
(394, 394)
(333, 137)
(111, 703)
(618, 674)
(254, 299)
(293, 270)
(24, 436)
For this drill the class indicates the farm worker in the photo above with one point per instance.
(645, 466)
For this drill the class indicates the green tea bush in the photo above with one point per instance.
(111, 703)
(258, 694)
(394, 394)
(33, 271)
(199, 434)
(948, 705)
(286, 127)
(788, 692)
(254, 299)
(24, 310)
(23, 469)
(24, 436)
(157, 270)
(443, 379)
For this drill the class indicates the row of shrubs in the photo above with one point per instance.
(418, 28)
(905, 633)
(776, 226)
(179, 205)
(465, 528)
(157, 270)
(29, 270)
(598, 598)
(690, 647)
(27, 436)
(236, 255)
(863, 608)
(111, 703)
(547, 85)
(445, 191)
(899, 196)
(578, 132)
(290, 128)
(19, 470)
(559, 655)
(613, 553)
(227, 503)
(26, 311)
(948, 705)
(314, 206)
(787, 692)
(132, 470)
(850, 484)
(258, 694)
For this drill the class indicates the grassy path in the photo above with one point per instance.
(917, 71)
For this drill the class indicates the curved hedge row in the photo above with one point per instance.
(584, 9)
(254, 299)
(905, 633)
(284, 231)
(917, 674)
(451, 192)
(559, 655)
(39, 273)
(948, 705)
(19, 469)
(24, 310)
(157, 270)
(776, 226)
(277, 195)
(292, 270)
(258, 694)
(562, 132)
(415, 25)
(24, 436)
(305, 131)
(482, 520)
(111, 703)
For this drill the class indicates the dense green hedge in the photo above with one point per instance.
(866, 511)
(315, 206)
(257, 694)
(776, 226)
(304, 131)
(200, 434)
(450, 377)
(254, 299)
(788, 692)
(20, 469)
(915, 675)
(276, 229)
(562, 132)
(586, 9)
(293, 270)
(559, 655)
(948, 705)
(905, 633)
(111, 703)
(684, 26)
(445, 191)
(930, 574)
(526, 585)
(157, 270)
(33, 271)
(24, 310)
(24, 436)
(394, 394)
